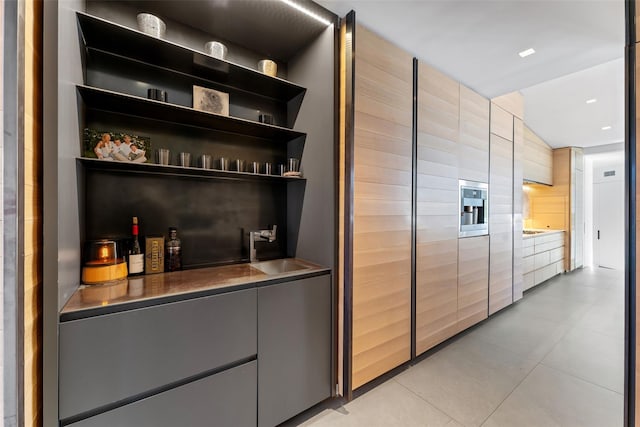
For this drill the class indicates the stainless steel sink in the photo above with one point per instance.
(279, 266)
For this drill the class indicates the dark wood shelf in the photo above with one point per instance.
(106, 100)
(172, 170)
(107, 36)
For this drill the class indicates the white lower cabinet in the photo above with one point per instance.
(543, 257)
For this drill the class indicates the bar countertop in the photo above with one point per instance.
(153, 289)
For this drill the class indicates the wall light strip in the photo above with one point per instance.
(527, 52)
(591, 101)
(606, 127)
(306, 12)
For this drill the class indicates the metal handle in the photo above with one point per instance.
(598, 234)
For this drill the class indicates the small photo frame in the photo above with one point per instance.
(211, 101)
(116, 146)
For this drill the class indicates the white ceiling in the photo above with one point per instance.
(477, 42)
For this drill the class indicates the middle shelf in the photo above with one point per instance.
(106, 100)
(171, 170)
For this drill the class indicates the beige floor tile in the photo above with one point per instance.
(591, 356)
(389, 404)
(548, 398)
(468, 379)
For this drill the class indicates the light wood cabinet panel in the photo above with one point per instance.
(382, 208)
(518, 155)
(437, 208)
(500, 223)
(538, 159)
(473, 148)
(501, 122)
(513, 103)
(473, 281)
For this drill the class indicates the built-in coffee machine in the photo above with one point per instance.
(474, 208)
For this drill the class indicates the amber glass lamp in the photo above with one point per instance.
(104, 262)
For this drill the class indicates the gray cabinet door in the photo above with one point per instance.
(294, 348)
(108, 358)
(225, 399)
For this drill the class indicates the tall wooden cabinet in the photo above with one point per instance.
(473, 252)
(500, 221)
(382, 164)
(437, 208)
(518, 169)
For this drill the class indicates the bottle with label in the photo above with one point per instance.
(136, 257)
(173, 253)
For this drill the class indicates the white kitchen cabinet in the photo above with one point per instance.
(543, 257)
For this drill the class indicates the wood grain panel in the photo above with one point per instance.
(500, 223)
(518, 156)
(513, 103)
(538, 159)
(501, 122)
(473, 281)
(382, 207)
(437, 207)
(473, 151)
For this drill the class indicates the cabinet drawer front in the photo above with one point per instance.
(528, 242)
(528, 251)
(542, 247)
(549, 238)
(541, 260)
(225, 399)
(556, 255)
(545, 273)
(112, 357)
(528, 264)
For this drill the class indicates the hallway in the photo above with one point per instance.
(556, 358)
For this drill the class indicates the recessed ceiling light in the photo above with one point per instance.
(606, 127)
(527, 52)
(306, 11)
(591, 101)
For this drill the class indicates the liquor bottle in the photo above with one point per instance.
(136, 257)
(173, 253)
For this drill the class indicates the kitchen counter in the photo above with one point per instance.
(153, 289)
(539, 232)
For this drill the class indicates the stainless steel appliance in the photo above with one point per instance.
(474, 208)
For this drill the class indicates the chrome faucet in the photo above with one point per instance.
(268, 235)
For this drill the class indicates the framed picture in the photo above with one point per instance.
(212, 101)
(116, 146)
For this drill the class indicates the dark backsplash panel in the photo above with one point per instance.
(213, 216)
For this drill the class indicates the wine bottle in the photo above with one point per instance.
(136, 257)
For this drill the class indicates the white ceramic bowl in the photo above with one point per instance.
(151, 25)
(268, 67)
(216, 49)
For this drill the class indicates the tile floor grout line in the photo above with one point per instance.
(580, 378)
(538, 363)
(426, 401)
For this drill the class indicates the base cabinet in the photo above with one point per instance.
(543, 258)
(294, 348)
(226, 399)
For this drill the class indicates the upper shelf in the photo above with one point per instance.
(116, 102)
(120, 40)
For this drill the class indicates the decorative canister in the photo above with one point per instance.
(151, 24)
(216, 49)
(268, 67)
